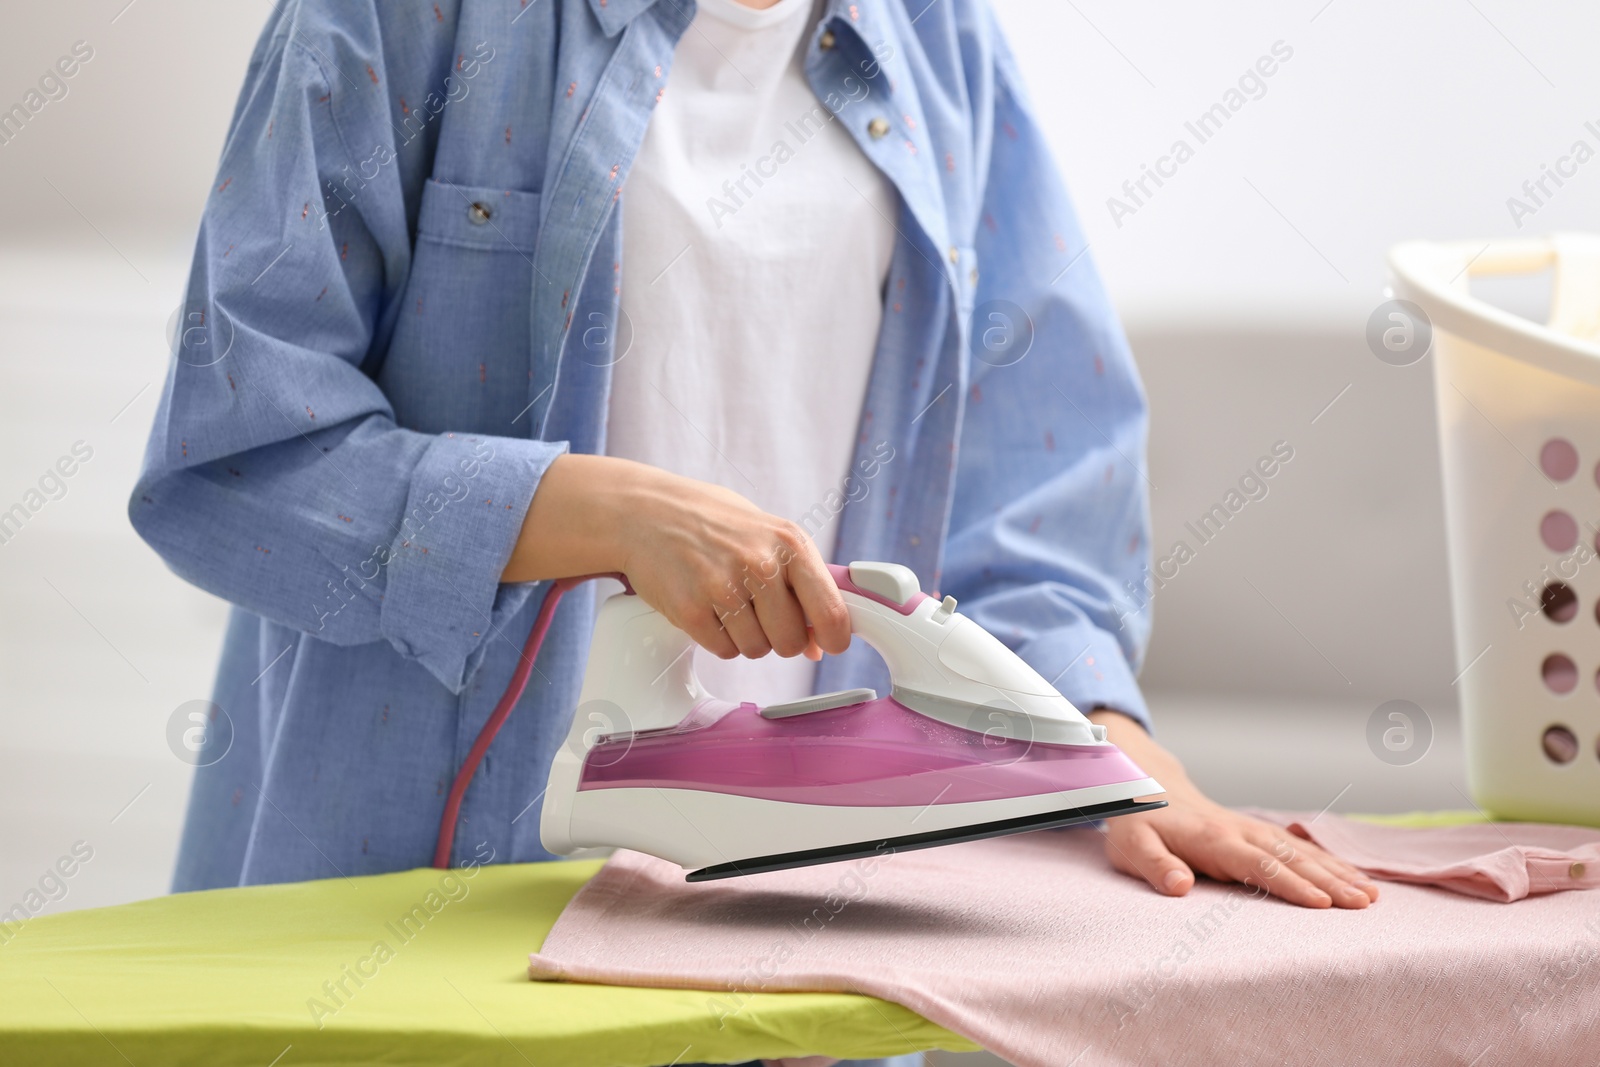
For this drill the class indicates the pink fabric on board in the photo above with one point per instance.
(1035, 948)
(1494, 861)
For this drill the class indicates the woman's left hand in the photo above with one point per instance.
(1193, 833)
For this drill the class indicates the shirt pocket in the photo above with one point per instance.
(468, 216)
(460, 355)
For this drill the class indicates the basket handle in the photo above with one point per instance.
(1575, 306)
(1435, 276)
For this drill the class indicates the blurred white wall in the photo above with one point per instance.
(126, 157)
(1389, 121)
(1245, 279)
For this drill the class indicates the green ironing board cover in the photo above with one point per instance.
(252, 977)
(236, 976)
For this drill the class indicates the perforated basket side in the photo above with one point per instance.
(1506, 388)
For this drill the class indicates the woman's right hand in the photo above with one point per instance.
(735, 579)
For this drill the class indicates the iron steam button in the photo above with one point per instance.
(893, 581)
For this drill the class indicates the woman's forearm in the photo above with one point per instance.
(573, 524)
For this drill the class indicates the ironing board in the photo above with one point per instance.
(229, 976)
(237, 976)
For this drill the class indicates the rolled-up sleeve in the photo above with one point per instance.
(443, 596)
(276, 475)
(1049, 537)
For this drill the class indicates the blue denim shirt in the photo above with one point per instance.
(403, 307)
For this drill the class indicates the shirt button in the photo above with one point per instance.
(878, 127)
(974, 275)
(955, 254)
(826, 41)
(478, 213)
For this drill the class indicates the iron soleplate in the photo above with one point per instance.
(955, 835)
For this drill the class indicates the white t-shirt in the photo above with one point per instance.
(756, 243)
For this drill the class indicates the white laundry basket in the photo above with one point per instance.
(1519, 429)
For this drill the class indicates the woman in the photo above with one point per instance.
(492, 292)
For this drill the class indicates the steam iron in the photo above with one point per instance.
(970, 743)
